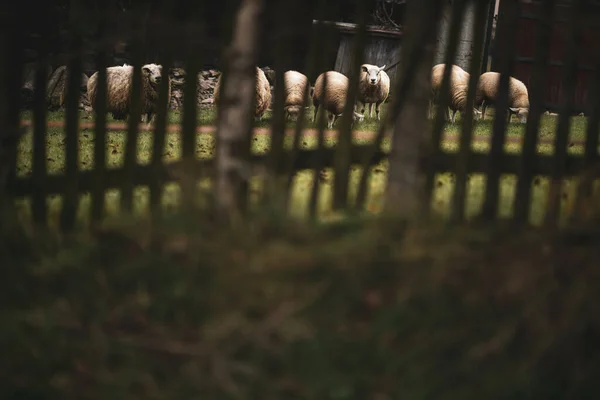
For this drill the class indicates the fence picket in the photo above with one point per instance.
(458, 10)
(135, 113)
(318, 166)
(584, 189)
(341, 165)
(537, 90)
(39, 170)
(71, 198)
(564, 117)
(98, 194)
(457, 207)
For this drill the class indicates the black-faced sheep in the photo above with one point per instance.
(373, 88)
(459, 84)
(337, 91)
(118, 96)
(263, 93)
(518, 97)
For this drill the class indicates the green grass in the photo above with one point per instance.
(303, 181)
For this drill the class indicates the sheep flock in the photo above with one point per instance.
(373, 90)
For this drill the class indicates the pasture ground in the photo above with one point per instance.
(304, 179)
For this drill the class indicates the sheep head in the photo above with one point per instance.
(153, 73)
(373, 73)
(292, 112)
(522, 113)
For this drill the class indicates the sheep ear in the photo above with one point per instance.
(146, 70)
(515, 110)
(365, 69)
(382, 68)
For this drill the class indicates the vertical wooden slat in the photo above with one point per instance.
(457, 207)
(237, 97)
(98, 193)
(458, 14)
(507, 36)
(584, 190)
(74, 71)
(341, 161)
(314, 192)
(133, 123)
(39, 171)
(405, 190)
(284, 25)
(537, 92)
(190, 114)
(564, 117)
(317, 44)
(12, 81)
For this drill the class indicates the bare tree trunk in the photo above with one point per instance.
(405, 179)
(236, 111)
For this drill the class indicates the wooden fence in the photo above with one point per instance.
(416, 154)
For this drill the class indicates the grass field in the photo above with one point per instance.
(303, 183)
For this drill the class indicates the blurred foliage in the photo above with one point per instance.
(277, 309)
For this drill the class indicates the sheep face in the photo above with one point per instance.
(373, 74)
(522, 114)
(292, 112)
(153, 73)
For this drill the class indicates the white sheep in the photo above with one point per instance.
(337, 91)
(263, 94)
(459, 85)
(518, 97)
(373, 88)
(118, 95)
(296, 87)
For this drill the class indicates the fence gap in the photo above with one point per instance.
(159, 138)
(537, 91)
(564, 116)
(39, 170)
(342, 154)
(317, 43)
(98, 192)
(508, 16)
(190, 114)
(70, 200)
(458, 200)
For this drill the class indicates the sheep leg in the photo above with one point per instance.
(447, 114)
(377, 108)
(361, 106)
(453, 115)
(509, 116)
(331, 119)
(315, 114)
(483, 108)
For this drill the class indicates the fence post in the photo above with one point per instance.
(235, 117)
(404, 192)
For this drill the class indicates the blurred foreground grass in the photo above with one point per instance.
(304, 179)
(278, 309)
